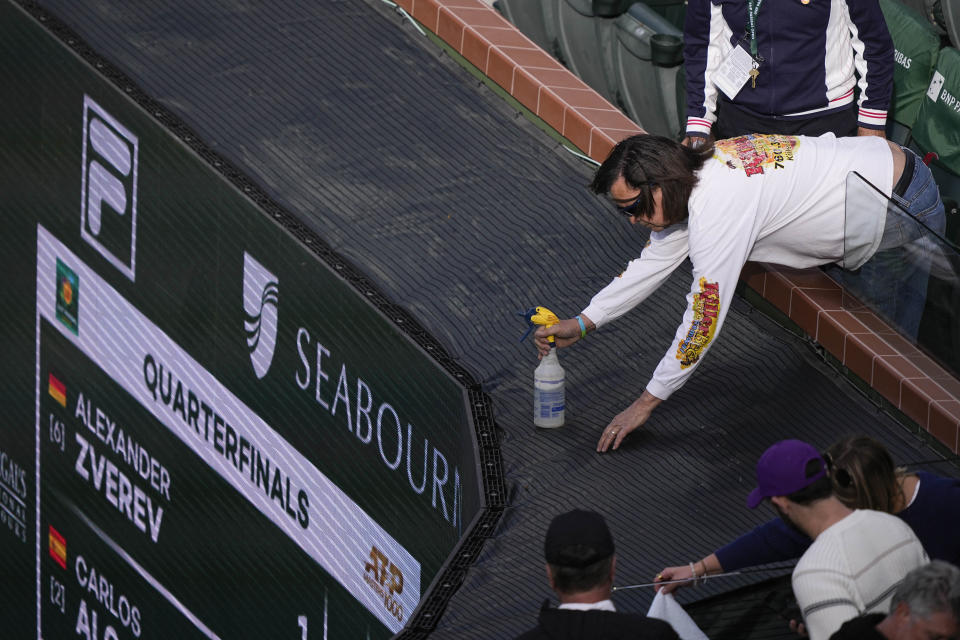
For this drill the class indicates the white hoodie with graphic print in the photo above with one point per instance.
(766, 198)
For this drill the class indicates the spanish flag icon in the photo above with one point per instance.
(57, 390)
(58, 547)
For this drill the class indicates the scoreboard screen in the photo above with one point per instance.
(209, 432)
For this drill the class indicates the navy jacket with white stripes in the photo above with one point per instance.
(809, 53)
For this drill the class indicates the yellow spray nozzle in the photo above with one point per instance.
(544, 316)
(540, 316)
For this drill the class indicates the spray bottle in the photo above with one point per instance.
(548, 377)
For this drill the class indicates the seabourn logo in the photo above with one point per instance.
(261, 296)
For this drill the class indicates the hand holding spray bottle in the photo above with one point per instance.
(549, 377)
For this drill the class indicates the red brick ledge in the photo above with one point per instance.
(525, 71)
(907, 378)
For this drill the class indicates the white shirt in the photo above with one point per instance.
(767, 198)
(602, 605)
(853, 568)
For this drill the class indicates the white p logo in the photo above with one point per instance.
(108, 218)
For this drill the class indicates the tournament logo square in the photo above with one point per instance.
(68, 297)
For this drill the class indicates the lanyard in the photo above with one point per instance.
(752, 11)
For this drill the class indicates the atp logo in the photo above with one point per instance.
(108, 207)
(261, 295)
(377, 571)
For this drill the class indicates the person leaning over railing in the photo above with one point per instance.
(864, 477)
(767, 198)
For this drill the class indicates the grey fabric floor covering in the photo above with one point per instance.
(464, 213)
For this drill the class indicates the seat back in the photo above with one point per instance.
(674, 11)
(585, 37)
(647, 57)
(945, 16)
(528, 16)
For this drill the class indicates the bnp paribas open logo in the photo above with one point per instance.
(68, 297)
(260, 299)
(108, 207)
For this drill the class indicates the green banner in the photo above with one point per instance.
(210, 433)
(938, 123)
(915, 51)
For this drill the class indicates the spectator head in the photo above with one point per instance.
(863, 474)
(791, 469)
(579, 552)
(649, 162)
(926, 605)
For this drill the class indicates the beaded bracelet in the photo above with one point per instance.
(698, 580)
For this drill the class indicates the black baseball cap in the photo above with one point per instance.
(578, 539)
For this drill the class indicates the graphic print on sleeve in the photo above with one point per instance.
(706, 309)
(755, 151)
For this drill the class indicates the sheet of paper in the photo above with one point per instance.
(665, 607)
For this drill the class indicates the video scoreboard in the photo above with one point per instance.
(208, 432)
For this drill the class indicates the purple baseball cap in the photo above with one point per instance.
(781, 470)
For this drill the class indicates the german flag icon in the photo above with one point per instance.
(58, 548)
(57, 390)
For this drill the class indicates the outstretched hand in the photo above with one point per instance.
(672, 573)
(687, 574)
(566, 333)
(627, 421)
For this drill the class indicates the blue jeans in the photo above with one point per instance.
(894, 281)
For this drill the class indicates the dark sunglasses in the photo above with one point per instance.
(630, 210)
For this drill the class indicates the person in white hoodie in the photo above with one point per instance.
(769, 198)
